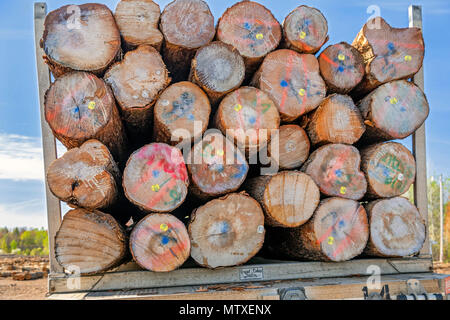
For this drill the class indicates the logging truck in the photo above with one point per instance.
(124, 82)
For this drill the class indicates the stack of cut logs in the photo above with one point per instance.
(187, 139)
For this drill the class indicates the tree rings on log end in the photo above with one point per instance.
(293, 81)
(80, 37)
(342, 67)
(89, 242)
(305, 30)
(160, 243)
(335, 168)
(390, 169)
(216, 166)
(396, 228)
(155, 178)
(181, 113)
(227, 231)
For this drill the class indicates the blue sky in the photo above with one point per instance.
(22, 198)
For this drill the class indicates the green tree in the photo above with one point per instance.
(13, 245)
(4, 245)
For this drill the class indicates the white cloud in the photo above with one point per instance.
(29, 213)
(21, 157)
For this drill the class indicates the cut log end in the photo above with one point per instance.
(393, 111)
(293, 81)
(160, 243)
(137, 81)
(181, 113)
(79, 106)
(80, 37)
(89, 242)
(248, 116)
(396, 228)
(138, 23)
(155, 178)
(342, 67)
(251, 29)
(217, 166)
(389, 53)
(335, 168)
(390, 169)
(288, 198)
(86, 177)
(305, 30)
(336, 120)
(227, 231)
(218, 69)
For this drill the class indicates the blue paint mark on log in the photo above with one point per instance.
(283, 83)
(224, 227)
(164, 240)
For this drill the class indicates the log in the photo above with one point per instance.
(335, 168)
(181, 114)
(293, 81)
(338, 231)
(305, 30)
(88, 242)
(248, 116)
(137, 81)
(160, 243)
(186, 25)
(289, 148)
(216, 166)
(218, 69)
(252, 29)
(78, 107)
(393, 111)
(138, 21)
(227, 231)
(389, 168)
(336, 120)
(86, 177)
(80, 37)
(389, 53)
(288, 198)
(342, 67)
(155, 178)
(396, 228)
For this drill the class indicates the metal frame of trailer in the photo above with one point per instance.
(259, 278)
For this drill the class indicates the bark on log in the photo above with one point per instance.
(186, 25)
(89, 242)
(305, 30)
(342, 67)
(336, 120)
(84, 38)
(393, 111)
(216, 166)
(86, 177)
(389, 53)
(252, 30)
(389, 168)
(218, 69)
(289, 148)
(137, 81)
(335, 168)
(160, 243)
(155, 178)
(288, 198)
(78, 107)
(396, 228)
(227, 231)
(248, 116)
(138, 23)
(338, 231)
(181, 114)
(293, 81)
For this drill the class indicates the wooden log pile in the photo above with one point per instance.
(217, 143)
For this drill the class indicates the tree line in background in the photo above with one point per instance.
(24, 241)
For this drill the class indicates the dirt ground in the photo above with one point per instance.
(37, 289)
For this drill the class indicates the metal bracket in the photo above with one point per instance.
(297, 293)
(413, 286)
(415, 291)
(383, 295)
